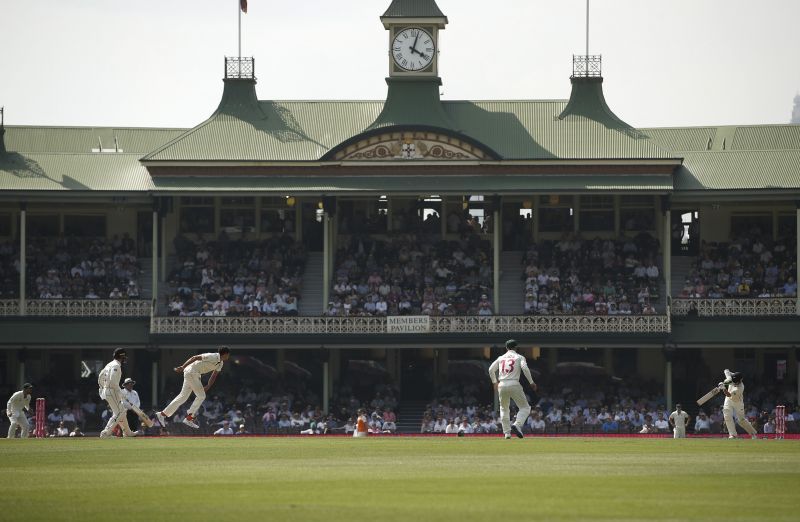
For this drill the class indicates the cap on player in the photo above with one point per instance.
(736, 376)
(128, 381)
(120, 352)
(27, 386)
(511, 344)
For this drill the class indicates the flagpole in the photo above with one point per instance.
(239, 9)
(587, 33)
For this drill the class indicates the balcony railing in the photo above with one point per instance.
(379, 325)
(755, 307)
(78, 307)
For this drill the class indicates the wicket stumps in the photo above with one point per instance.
(40, 428)
(780, 421)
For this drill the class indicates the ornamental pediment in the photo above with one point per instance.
(410, 145)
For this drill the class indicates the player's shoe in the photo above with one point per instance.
(754, 437)
(516, 431)
(508, 436)
(732, 437)
(189, 421)
(162, 419)
(104, 434)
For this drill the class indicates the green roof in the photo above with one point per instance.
(413, 9)
(244, 129)
(84, 139)
(740, 170)
(73, 172)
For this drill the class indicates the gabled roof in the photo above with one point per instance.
(275, 131)
(413, 9)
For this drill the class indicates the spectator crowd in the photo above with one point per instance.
(592, 277)
(750, 265)
(412, 275)
(82, 268)
(237, 278)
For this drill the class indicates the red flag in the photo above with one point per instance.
(243, 5)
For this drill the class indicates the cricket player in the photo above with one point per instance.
(679, 420)
(508, 366)
(192, 370)
(19, 402)
(108, 384)
(733, 388)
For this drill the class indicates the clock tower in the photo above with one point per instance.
(414, 123)
(414, 27)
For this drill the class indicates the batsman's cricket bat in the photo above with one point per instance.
(145, 419)
(708, 396)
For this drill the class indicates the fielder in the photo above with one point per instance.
(108, 384)
(508, 366)
(733, 388)
(192, 370)
(679, 420)
(19, 402)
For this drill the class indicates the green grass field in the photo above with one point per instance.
(403, 479)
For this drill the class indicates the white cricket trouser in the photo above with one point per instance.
(191, 384)
(727, 412)
(18, 420)
(118, 413)
(512, 390)
(679, 432)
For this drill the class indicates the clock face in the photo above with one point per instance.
(413, 49)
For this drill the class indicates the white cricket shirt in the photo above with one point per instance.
(507, 367)
(132, 397)
(17, 402)
(737, 394)
(110, 375)
(679, 419)
(208, 362)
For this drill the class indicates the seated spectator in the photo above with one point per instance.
(702, 424)
(225, 429)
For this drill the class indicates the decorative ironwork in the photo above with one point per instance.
(377, 325)
(584, 66)
(240, 68)
(9, 307)
(87, 307)
(735, 307)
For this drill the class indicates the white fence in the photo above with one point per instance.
(78, 307)
(736, 307)
(378, 325)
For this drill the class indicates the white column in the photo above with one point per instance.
(443, 217)
(154, 384)
(154, 280)
(23, 221)
(668, 384)
(666, 247)
(325, 387)
(496, 240)
(326, 265)
(298, 220)
(163, 249)
(21, 379)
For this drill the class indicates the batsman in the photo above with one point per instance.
(733, 388)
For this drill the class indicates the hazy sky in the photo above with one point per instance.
(160, 62)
